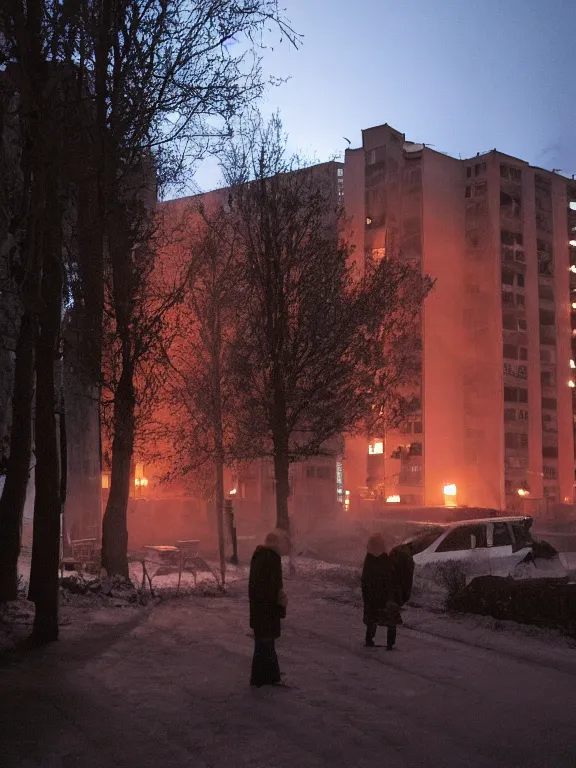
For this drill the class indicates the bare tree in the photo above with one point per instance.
(324, 350)
(202, 429)
(166, 84)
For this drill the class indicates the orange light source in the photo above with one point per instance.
(571, 384)
(233, 492)
(523, 492)
(376, 447)
(450, 492)
(393, 499)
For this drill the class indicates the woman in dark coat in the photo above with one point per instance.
(267, 608)
(379, 592)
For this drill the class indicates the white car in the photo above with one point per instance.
(487, 546)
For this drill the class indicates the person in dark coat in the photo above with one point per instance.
(267, 607)
(379, 593)
(403, 569)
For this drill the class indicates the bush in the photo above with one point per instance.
(452, 577)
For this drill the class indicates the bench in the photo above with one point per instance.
(85, 556)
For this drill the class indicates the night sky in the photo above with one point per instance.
(463, 76)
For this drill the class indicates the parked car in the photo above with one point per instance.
(486, 546)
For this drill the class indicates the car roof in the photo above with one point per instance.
(508, 519)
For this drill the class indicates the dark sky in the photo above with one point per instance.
(465, 76)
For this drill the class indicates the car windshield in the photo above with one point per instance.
(424, 539)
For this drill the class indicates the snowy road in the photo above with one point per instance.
(167, 688)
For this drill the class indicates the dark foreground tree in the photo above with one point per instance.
(324, 350)
(167, 79)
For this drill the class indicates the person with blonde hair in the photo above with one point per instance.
(268, 604)
(381, 607)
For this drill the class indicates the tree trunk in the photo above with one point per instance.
(114, 524)
(218, 435)
(281, 475)
(220, 516)
(14, 495)
(44, 584)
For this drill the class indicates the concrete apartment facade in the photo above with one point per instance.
(495, 427)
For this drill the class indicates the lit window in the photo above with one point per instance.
(340, 171)
(574, 305)
(572, 243)
(393, 499)
(572, 364)
(376, 447)
(573, 268)
(369, 222)
(571, 384)
(573, 205)
(450, 490)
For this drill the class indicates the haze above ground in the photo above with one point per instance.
(461, 76)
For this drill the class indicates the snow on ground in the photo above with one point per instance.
(166, 685)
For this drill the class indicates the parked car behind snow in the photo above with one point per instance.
(493, 546)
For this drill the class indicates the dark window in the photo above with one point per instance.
(468, 192)
(468, 171)
(510, 395)
(509, 414)
(502, 536)
(507, 277)
(415, 449)
(509, 322)
(423, 540)
(545, 292)
(511, 238)
(520, 280)
(511, 351)
(461, 538)
(547, 317)
(522, 395)
(523, 440)
(520, 300)
(522, 326)
(549, 403)
(550, 451)
(523, 353)
(547, 378)
(550, 473)
(417, 427)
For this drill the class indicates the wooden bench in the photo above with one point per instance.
(85, 555)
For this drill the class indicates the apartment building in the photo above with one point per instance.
(495, 424)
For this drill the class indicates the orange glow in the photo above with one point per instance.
(233, 492)
(393, 499)
(571, 384)
(376, 447)
(105, 480)
(450, 490)
(574, 305)
(573, 243)
(572, 364)
(141, 481)
(523, 492)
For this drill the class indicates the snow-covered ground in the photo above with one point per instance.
(166, 685)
